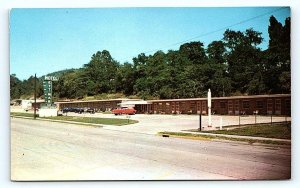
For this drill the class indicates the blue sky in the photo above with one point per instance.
(48, 40)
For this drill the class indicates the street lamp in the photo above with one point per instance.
(209, 107)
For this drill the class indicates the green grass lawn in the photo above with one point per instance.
(22, 114)
(282, 131)
(212, 137)
(104, 121)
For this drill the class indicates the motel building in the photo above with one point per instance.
(277, 104)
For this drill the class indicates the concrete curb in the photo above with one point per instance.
(240, 137)
(61, 121)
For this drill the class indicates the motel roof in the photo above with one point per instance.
(138, 101)
(106, 100)
(224, 98)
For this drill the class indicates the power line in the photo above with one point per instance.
(217, 30)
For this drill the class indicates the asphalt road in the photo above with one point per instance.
(55, 151)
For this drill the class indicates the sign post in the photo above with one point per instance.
(47, 83)
(48, 92)
(49, 109)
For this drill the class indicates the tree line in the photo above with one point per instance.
(234, 65)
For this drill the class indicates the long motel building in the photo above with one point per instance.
(277, 104)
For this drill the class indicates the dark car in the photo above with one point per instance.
(79, 110)
(90, 110)
(65, 110)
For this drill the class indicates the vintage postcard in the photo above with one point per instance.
(150, 93)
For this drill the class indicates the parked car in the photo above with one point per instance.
(79, 110)
(65, 110)
(90, 110)
(71, 109)
(124, 110)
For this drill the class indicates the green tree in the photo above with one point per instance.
(219, 81)
(101, 71)
(156, 75)
(194, 51)
(28, 87)
(277, 62)
(16, 89)
(176, 67)
(125, 79)
(243, 57)
(216, 52)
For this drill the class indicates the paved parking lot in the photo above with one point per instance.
(151, 124)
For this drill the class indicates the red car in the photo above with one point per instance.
(124, 110)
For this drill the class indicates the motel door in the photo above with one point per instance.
(270, 106)
(193, 107)
(177, 107)
(139, 108)
(230, 107)
(223, 107)
(236, 107)
(204, 107)
(287, 107)
(277, 106)
(198, 107)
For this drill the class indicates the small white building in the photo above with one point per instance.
(26, 104)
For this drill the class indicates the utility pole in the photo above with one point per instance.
(34, 115)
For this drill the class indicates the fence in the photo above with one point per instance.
(225, 121)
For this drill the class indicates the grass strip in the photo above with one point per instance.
(94, 120)
(280, 131)
(104, 121)
(212, 137)
(24, 114)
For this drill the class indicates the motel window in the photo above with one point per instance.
(160, 103)
(259, 104)
(246, 104)
(167, 104)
